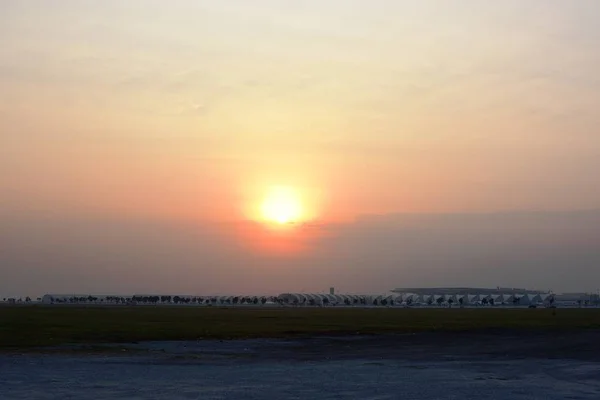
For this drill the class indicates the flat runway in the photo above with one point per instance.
(420, 366)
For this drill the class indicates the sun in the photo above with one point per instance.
(282, 205)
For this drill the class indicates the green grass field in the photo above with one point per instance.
(34, 326)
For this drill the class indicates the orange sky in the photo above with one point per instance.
(192, 111)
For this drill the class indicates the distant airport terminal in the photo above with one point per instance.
(400, 297)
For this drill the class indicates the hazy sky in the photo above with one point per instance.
(137, 139)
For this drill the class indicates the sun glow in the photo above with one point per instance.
(282, 205)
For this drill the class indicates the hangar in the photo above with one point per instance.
(466, 296)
